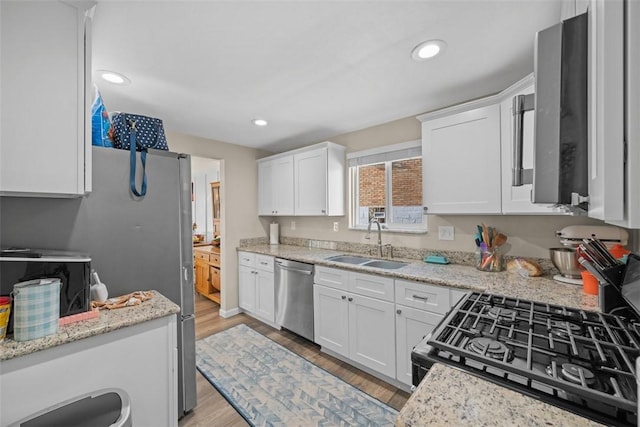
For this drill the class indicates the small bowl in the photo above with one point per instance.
(566, 261)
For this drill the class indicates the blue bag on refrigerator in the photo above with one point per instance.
(135, 132)
(100, 123)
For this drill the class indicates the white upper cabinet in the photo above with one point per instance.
(45, 128)
(310, 178)
(306, 182)
(275, 186)
(461, 159)
(467, 156)
(606, 112)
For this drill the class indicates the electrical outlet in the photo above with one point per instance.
(335, 226)
(445, 232)
(293, 225)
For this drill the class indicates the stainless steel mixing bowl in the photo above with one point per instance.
(566, 261)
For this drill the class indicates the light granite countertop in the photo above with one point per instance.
(107, 321)
(449, 396)
(542, 289)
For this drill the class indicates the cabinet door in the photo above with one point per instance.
(330, 316)
(310, 182)
(517, 200)
(266, 202)
(45, 143)
(372, 334)
(214, 284)
(247, 288)
(411, 326)
(265, 296)
(606, 114)
(202, 277)
(275, 186)
(461, 162)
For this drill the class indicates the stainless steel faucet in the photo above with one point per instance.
(374, 220)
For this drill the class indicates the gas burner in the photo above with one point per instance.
(571, 373)
(564, 329)
(502, 313)
(489, 347)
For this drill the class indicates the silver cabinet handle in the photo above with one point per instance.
(399, 311)
(264, 263)
(421, 298)
(350, 299)
(344, 297)
(521, 104)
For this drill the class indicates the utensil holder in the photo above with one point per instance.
(489, 260)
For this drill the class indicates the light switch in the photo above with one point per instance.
(335, 226)
(293, 225)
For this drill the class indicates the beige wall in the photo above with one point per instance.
(239, 216)
(528, 235)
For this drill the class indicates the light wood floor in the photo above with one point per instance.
(213, 410)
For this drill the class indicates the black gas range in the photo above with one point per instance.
(578, 360)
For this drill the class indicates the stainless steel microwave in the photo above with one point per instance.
(560, 166)
(73, 270)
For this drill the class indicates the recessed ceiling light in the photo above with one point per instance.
(428, 49)
(259, 122)
(113, 77)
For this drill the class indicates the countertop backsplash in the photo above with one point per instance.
(454, 257)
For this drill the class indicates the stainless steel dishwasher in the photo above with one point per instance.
(294, 296)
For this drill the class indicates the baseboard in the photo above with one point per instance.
(229, 313)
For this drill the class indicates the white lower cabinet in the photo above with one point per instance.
(138, 362)
(419, 309)
(330, 317)
(411, 326)
(256, 286)
(352, 323)
(357, 327)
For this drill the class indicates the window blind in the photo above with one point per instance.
(404, 150)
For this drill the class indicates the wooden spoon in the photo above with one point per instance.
(500, 239)
(485, 235)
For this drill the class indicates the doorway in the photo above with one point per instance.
(204, 171)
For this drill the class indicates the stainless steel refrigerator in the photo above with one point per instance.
(134, 244)
(146, 243)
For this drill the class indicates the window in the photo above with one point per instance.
(386, 184)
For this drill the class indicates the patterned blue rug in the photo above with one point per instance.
(271, 386)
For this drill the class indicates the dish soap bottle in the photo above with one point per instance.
(98, 289)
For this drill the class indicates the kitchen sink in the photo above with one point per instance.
(367, 262)
(349, 259)
(387, 265)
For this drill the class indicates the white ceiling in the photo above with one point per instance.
(314, 69)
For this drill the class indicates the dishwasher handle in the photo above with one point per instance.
(297, 270)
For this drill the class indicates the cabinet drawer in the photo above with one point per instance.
(332, 277)
(371, 286)
(246, 258)
(201, 255)
(264, 262)
(214, 259)
(423, 296)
